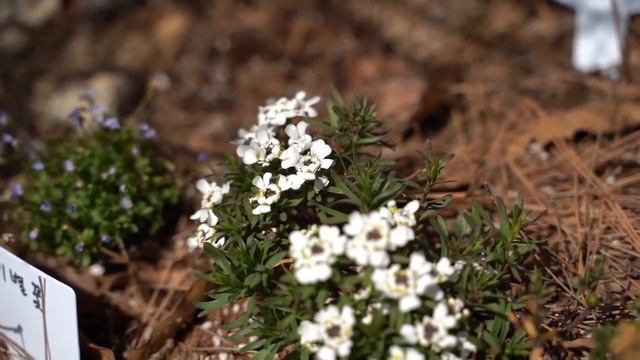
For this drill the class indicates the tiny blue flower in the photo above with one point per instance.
(88, 95)
(4, 119)
(45, 206)
(123, 188)
(16, 190)
(69, 166)
(135, 151)
(79, 247)
(105, 239)
(76, 118)
(97, 114)
(33, 234)
(201, 157)
(9, 140)
(147, 131)
(126, 203)
(38, 166)
(112, 123)
(72, 209)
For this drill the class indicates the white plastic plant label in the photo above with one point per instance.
(38, 318)
(600, 33)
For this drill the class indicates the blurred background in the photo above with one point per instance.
(211, 63)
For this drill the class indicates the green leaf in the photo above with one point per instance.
(273, 260)
(219, 300)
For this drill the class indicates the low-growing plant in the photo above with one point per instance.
(8, 141)
(94, 191)
(337, 256)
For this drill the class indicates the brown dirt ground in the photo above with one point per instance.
(490, 82)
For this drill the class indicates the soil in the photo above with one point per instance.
(490, 82)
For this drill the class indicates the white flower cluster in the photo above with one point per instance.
(421, 278)
(300, 158)
(372, 235)
(366, 240)
(212, 195)
(314, 251)
(434, 331)
(332, 327)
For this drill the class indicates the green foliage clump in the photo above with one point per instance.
(270, 247)
(8, 142)
(94, 191)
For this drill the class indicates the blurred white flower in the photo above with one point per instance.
(398, 353)
(290, 156)
(445, 271)
(406, 285)
(304, 107)
(205, 233)
(96, 270)
(369, 239)
(405, 216)
(433, 331)
(314, 251)
(212, 195)
(298, 136)
(329, 335)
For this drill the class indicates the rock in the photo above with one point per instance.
(13, 40)
(94, 7)
(34, 13)
(6, 9)
(155, 47)
(53, 101)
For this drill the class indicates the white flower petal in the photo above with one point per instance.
(409, 303)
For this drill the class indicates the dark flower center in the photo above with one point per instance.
(402, 278)
(317, 249)
(429, 330)
(334, 331)
(269, 193)
(374, 235)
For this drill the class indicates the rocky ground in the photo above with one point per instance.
(490, 82)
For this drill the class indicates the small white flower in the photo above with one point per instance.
(212, 195)
(276, 113)
(315, 160)
(305, 107)
(369, 239)
(400, 236)
(320, 183)
(449, 356)
(268, 193)
(314, 251)
(457, 309)
(296, 181)
(329, 335)
(96, 270)
(363, 294)
(408, 284)
(433, 331)
(259, 145)
(290, 157)
(298, 135)
(445, 270)
(398, 353)
(205, 233)
(466, 347)
(405, 216)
